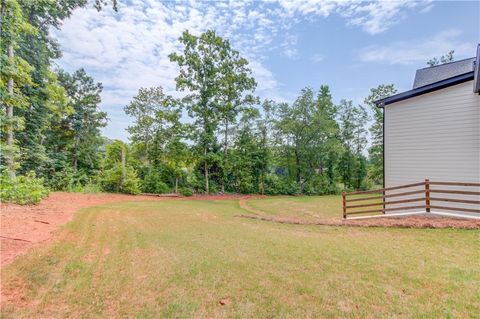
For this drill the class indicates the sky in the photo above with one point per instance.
(351, 46)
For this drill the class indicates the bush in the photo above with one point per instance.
(112, 181)
(275, 185)
(61, 180)
(69, 181)
(152, 183)
(88, 188)
(186, 192)
(23, 189)
(319, 185)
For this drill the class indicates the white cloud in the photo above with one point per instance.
(129, 49)
(419, 51)
(289, 46)
(372, 16)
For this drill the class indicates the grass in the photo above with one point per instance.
(178, 259)
(308, 208)
(304, 207)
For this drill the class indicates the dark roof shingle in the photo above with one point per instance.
(441, 72)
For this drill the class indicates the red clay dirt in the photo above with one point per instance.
(418, 221)
(24, 227)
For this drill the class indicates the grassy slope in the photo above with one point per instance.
(179, 258)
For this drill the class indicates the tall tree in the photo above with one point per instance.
(304, 129)
(159, 133)
(201, 73)
(265, 128)
(46, 104)
(352, 120)
(376, 130)
(246, 154)
(236, 86)
(14, 74)
(154, 113)
(86, 120)
(329, 150)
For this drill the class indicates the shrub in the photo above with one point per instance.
(61, 180)
(23, 189)
(112, 181)
(319, 185)
(88, 188)
(275, 185)
(69, 181)
(152, 183)
(186, 192)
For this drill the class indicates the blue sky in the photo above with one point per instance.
(350, 45)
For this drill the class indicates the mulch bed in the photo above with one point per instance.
(418, 221)
(399, 222)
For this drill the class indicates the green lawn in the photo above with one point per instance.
(178, 259)
(304, 207)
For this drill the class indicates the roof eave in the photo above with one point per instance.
(425, 89)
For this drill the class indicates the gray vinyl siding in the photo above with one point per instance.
(434, 136)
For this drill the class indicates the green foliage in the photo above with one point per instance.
(78, 182)
(186, 192)
(219, 82)
(84, 121)
(275, 185)
(320, 185)
(156, 116)
(230, 143)
(113, 181)
(22, 190)
(375, 170)
(118, 175)
(152, 183)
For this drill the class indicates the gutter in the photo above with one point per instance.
(428, 88)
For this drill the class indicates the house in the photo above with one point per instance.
(433, 130)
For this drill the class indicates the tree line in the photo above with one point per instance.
(219, 136)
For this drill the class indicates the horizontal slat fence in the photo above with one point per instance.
(368, 202)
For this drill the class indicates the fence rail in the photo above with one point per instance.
(424, 188)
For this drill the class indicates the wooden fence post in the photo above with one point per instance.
(427, 195)
(383, 200)
(344, 202)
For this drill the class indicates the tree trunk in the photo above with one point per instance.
(2, 16)
(124, 172)
(9, 156)
(176, 184)
(205, 167)
(225, 145)
(75, 156)
(262, 186)
(297, 163)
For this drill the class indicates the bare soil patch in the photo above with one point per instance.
(24, 227)
(419, 221)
